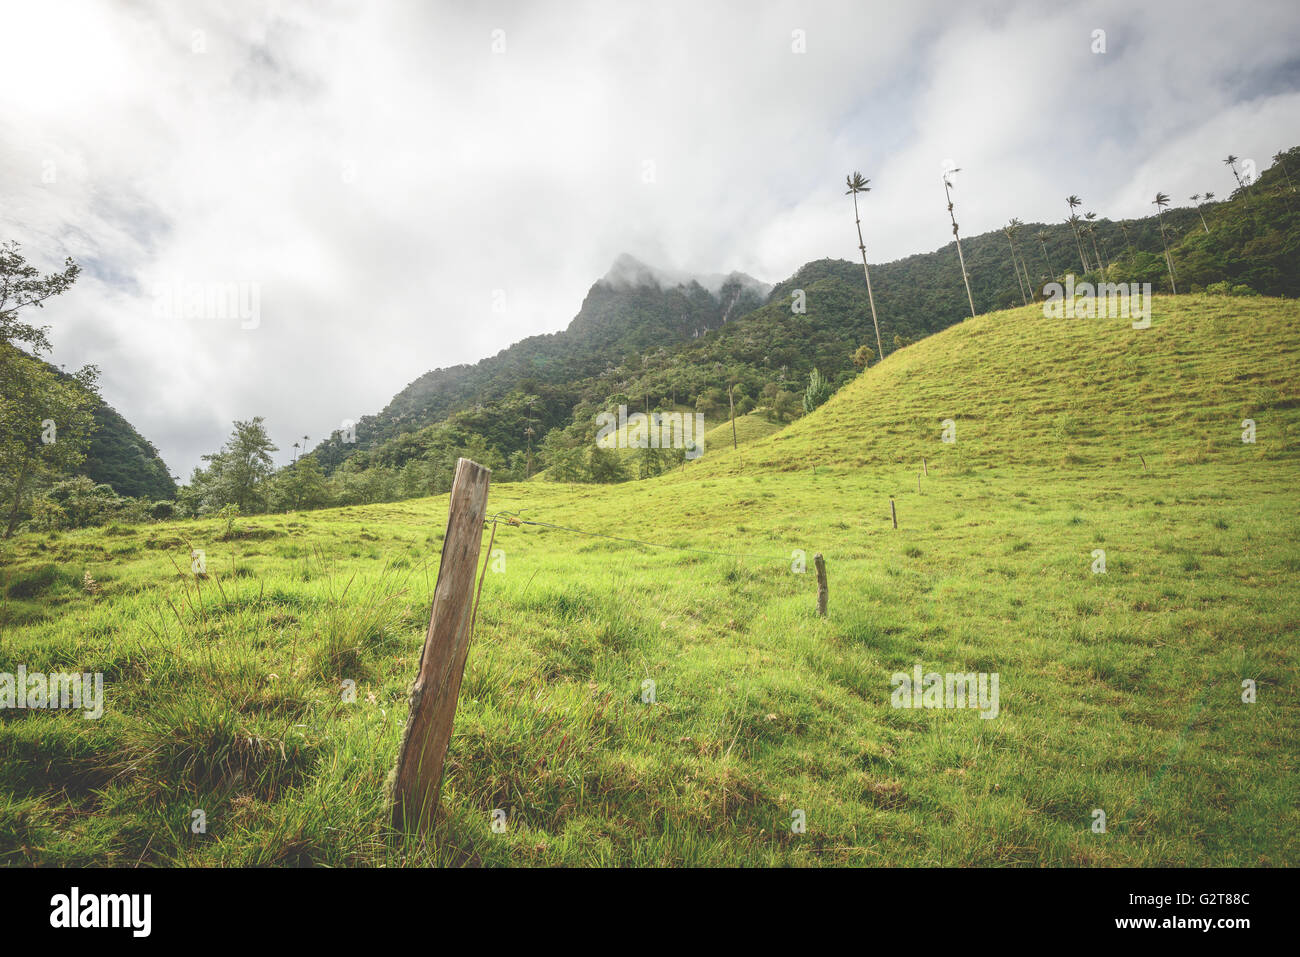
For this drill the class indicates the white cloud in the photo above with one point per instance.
(379, 171)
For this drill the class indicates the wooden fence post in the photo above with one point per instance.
(821, 584)
(418, 775)
(893, 511)
(925, 467)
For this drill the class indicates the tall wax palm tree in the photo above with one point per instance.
(1278, 159)
(1041, 236)
(1196, 198)
(947, 192)
(1009, 230)
(1231, 163)
(856, 184)
(1160, 202)
(1074, 225)
(1092, 235)
(1016, 226)
(1123, 228)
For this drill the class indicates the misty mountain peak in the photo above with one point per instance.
(628, 272)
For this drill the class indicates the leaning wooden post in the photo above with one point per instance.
(821, 584)
(418, 775)
(893, 511)
(918, 483)
(925, 467)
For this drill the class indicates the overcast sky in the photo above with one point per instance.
(381, 175)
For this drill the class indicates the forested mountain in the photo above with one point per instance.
(631, 309)
(122, 458)
(653, 340)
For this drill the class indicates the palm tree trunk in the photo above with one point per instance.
(1202, 215)
(1093, 237)
(867, 272)
(1023, 300)
(1047, 259)
(1029, 283)
(732, 402)
(962, 260)
(1168, 262)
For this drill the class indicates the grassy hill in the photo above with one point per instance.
(1119, 691)
(642, 337)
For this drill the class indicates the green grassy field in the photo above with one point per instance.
(1119, 691)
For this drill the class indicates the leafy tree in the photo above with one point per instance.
(302, 485)
(862, 356)
(45, 424)
(45, 417)
(818, 391)
(237, 474)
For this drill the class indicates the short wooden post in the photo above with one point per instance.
(925, 467)
(418, 775)
(893, 511)
(918, 483)
(822, 590)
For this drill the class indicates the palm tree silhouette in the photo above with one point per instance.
(947, 187)
(1041, 236)
(1196, 198)
(1278, 158)
(1074, 225)
(1123, 228)
(1073, 222)
(1160, 202)
(856, 184)
(1011, 229)
(1092, 235)
(1231, 163)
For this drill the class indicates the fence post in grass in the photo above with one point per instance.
(822, 590)
(418, 775)
(893, 511)
(925, 467)
(918, 483)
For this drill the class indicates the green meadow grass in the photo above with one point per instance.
(1118, 691)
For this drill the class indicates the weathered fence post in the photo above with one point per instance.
(893, 511)
(821, 584)
(418, 775)
(925, 467)
(918, 483)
